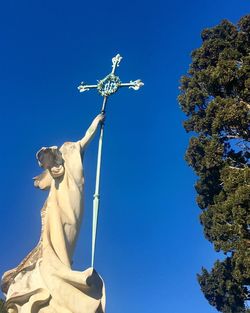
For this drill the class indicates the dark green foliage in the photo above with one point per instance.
(221, 289)
(215, 96)
(2, 309)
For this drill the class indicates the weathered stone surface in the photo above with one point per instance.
(44, 281)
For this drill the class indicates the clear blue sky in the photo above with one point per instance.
(150, 243)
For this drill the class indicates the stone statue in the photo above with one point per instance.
(44, 281)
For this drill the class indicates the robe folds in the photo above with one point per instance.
(45, 282)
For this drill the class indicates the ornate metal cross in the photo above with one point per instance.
(111, 83)
(106, 87)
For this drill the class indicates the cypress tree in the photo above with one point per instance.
(215, 96)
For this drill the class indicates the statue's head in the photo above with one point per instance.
(50, 158)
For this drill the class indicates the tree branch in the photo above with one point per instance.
(247, 104)
(238, 168)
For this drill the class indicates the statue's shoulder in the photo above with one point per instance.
(69, 146)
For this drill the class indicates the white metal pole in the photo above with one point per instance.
(96, 200)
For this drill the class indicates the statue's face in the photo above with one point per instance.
(50, 159)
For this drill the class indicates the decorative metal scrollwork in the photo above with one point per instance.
(136, 84)
(108, 85)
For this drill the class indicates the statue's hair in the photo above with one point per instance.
(54, 151)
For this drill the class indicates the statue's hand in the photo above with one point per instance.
(101, 117)
(43, 181)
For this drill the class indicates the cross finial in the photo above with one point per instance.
(116, 62)
(111, 83)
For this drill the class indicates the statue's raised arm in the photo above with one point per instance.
(90, 133)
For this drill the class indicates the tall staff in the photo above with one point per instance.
(106, 87)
